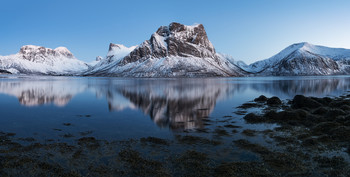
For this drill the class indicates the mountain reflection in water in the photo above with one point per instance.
(174, 103)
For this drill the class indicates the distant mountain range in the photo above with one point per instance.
(177, 50)
(43, 61)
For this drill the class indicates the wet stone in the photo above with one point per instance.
(261, 98)
(221, 132)
(274, 101)
(320, 111)
(345, 108)
(300, 101)
(154, 140)
(232, 126)
(249, 105)
(249, 132)
(253, 118)
(187, 139)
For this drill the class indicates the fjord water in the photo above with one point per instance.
(122, 108)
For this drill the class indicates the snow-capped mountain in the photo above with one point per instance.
(33, 59)
(176, 50)
(115, 54)
(304, 59)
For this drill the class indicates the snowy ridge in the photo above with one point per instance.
(304, 59)
(117, 51)
(40, 60)
(115, 54)
(172, 67)
(238, 63)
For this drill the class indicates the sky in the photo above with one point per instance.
(248, 30)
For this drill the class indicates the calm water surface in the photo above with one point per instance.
(119, 108)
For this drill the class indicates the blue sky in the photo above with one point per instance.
(247, 30)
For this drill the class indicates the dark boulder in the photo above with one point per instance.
(300, 101)
(324, 101)
(291, 117)
(320, 111)
(339, 103)
(253, 118)
(345, 108)
(336, 112)
(261, 98)
(274, 101)
(324, 128)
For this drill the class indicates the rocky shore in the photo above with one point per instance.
(310, 137)
(315, 131)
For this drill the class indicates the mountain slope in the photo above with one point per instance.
(173, 51)
(304, 59)
(40, 60)
(115, 54)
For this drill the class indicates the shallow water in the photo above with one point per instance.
(120, 108)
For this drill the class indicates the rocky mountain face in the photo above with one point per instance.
(40, 54)
(98, 58)
(304, 59)
(176, 50)
(117, 52)
(174, 40)
(33, 59)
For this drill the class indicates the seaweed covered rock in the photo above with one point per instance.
(274, 101)
(320, 111)
(339, 103)
(261, 98)
(253, 118)
(296, 117)
(300, 101)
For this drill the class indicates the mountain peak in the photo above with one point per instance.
(115, 46)
(64, 51)
(299, 45)
(99, 58)
(29, 48)
(194, 34)
(302, 43)
(174, 40)
(119, 50)
(61, 49)
(34, 53)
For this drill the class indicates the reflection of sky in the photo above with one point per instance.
(144, 106)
